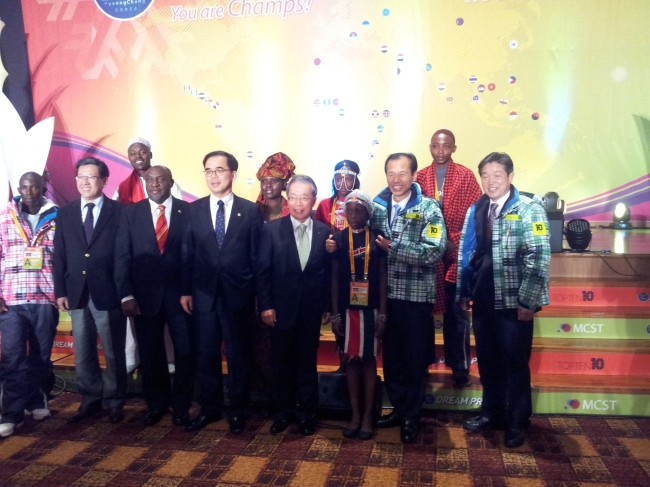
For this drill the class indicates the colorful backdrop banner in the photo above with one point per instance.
(561, 86)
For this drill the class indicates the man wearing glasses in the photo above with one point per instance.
(84, 243)
(217, 285)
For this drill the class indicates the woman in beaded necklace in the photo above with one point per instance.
(330, 211)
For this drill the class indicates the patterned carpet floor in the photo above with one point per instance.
(561, 451)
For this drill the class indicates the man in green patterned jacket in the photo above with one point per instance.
(414, 236)
(503, 268)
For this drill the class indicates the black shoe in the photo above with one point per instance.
(86, 411)
(389, 421)
(482, 423)
(350, 432)
(202, 420)
(366, 435)
(514, 437)
(409, 430)
(280, 424)
(179, 418)
(115, 415)
(237, 424)
(461, 379)
(153, 416)
(307, 427)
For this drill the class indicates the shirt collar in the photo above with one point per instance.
(226, 199)
(296, 223)
(167, 203)
(98, 202)
(501, 200)
(402, 204)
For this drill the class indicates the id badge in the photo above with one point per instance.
(359, 293)
(33, 258)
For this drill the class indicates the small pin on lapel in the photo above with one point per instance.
(238, 214)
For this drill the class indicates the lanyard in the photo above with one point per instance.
(366, 263)
(22, 232)
(332, 219)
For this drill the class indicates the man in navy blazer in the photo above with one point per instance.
(218, 288)
(294, 299)
(147, 270)
(84, 245)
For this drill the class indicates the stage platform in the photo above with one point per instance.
(591, 347)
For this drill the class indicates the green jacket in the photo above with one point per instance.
(418, 240)
(521, 253)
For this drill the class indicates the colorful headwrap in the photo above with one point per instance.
(139, 140)
(278, 166)
(345, 170)
(359, 197)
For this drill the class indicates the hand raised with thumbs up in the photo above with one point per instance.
(330, 244)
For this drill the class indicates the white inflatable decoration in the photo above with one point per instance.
(3, 71)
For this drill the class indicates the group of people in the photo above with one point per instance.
(262, 277)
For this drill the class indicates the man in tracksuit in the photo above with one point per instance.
(414, 239)
(503, 268)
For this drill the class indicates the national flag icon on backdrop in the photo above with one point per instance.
(400, 57)
(375, 114)
(514, 44)
(201, 96)
(215, 105)
(249, 154)
(194, 92)
(217, 126)
(481, 88)
(386, 113)
(428, 67)
(473, 79)
(503, 101)
(513, 115)
(335, 102)
(316, 103)
(187, 87)
(512, 80)
(380, 128)
(384, 48)
(341, 112)
(491, 86)
(375, 142)
(535, 116)
(353, 34)
(326, 102)
(450, 98)
(476, 99)
(441, 87)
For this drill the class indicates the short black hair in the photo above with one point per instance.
(93, 161)
(446, 132)
(500, 157)
(38, 179)
(233, 165)
(407, 155)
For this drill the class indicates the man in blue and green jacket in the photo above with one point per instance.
(414, 237)
(503, 268)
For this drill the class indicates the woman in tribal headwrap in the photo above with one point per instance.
(331, 210)
(273, 176)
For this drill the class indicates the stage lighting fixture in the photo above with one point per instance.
(578, 234)
(554, 207)
(621, 217)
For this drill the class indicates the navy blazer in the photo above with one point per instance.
(284, 285)
(209, 271)
(154, 279)
(77, 264)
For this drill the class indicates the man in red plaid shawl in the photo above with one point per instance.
(456, 189)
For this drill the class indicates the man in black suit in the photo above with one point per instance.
(147, 266)
(294, 299)
(84, 245)
(218, 288)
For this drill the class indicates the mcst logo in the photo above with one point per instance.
(123, 9)
(593, 404)
(581, 328)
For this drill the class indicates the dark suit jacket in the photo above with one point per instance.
(77, 264)
(140, 269)
(229, 272)
(284, 286)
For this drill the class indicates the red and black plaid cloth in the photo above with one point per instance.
(460, 191)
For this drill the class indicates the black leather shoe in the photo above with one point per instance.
(350, 432)
(279, 425)
(514, 437)
(366, 435)
(307, 427)
(389, 421)
(409, 430)
(237, 424)
(179, 418)
(482, 423)
(86, 411)
(115, 415)
(461, 379)
(202, 420)
(153, 416)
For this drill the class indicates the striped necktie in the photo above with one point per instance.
(162, 229)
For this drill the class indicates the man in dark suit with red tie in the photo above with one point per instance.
(147, 266)
(294, 299)
(84, 285)
(218, 288)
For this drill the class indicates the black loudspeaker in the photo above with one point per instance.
(333, 394)
(556, 229)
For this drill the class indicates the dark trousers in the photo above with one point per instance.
(156, 383)
(232, 329)
(26, 373)
(503, 346)
(455, 331)
(406, 350)
(295, 356)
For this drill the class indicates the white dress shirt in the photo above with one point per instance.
(402, 204)
(296, 232)
(227, 208)
(155, 213)
(96, 210)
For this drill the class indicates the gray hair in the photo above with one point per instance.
(302, 178)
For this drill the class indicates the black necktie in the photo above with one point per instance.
(220, 224)
(89, 222)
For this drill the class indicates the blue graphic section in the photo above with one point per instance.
(123, 9)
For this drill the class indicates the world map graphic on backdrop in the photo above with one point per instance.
(560, 86)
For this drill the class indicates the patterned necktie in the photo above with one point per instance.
(162, 229)
(492, 215)
(396, 210)
(89, 222)
(220, 223)
(303, 245)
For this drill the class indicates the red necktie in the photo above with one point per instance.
(161, 228)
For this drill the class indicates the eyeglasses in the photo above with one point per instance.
(92, 179)
(218, 171)
(301, 199)
(159, 180)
